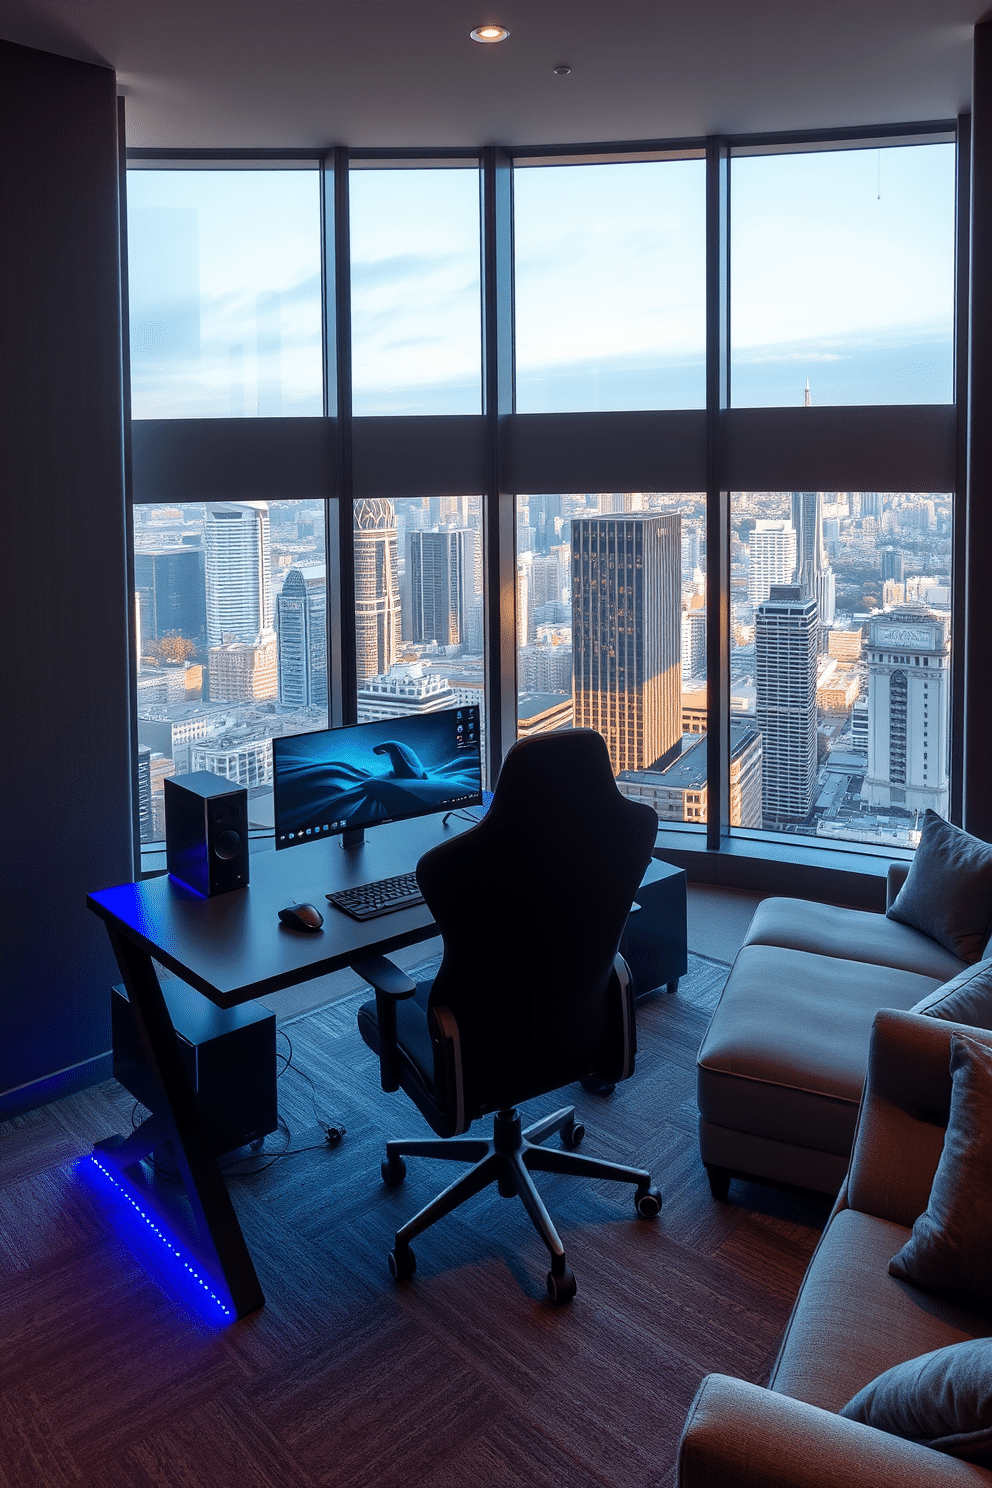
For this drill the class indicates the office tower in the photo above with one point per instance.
(544, 667)
(773, 558)
(870, 504)
(690, 551)
(377, 596)
(144, 793)
(893, 565)
(406, 689)
(243, 672)
(813, 573)
(301, 627)
(908, 654)
(524, 621)
(693, 642)
(435, 586)
(171, 586)
(785, 649)
(238, 571)
(611, 502)
(626, 663)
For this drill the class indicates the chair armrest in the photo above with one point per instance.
(390, 986)
(385, 976)
(894, 880)
(738, 1435)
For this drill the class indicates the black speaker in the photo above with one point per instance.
(206, 832)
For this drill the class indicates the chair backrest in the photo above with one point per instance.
(531, 905)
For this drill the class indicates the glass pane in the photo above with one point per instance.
(419, 606)
(841, 607)
(842, 276)
(232, 643)
(611, 633)
(415, 291)
(610, 294)
(224, 291)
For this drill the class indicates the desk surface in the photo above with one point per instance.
(233, 947)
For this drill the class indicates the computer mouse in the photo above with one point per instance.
(301, 917)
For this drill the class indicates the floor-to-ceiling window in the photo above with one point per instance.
(309, 355)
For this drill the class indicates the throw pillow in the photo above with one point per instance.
(941, 1400)
(966, 998)
(948, 1251)
(948, 890)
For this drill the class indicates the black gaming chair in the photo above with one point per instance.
(531, 994)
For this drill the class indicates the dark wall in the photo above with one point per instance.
(65, 765)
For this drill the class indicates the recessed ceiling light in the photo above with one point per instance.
(489, 34)
(561, 71)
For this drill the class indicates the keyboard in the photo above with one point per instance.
(368, 901)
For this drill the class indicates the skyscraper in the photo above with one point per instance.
(171, 586)
(626, 606)
(238, 571)
(813, 572)
(301, 609)
(377, 598)
(773, 558)
(693, 642)
(435, 584)
(908, 710)
(785, 650)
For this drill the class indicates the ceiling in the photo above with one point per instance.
(277, 74)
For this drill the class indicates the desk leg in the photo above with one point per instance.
(219, 1242)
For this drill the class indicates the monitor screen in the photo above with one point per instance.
(345, 779)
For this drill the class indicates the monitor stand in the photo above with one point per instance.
(353, 837)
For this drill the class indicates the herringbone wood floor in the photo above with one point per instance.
(464, 1375)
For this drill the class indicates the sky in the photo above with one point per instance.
(841, 272)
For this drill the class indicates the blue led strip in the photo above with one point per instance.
(163, 1237)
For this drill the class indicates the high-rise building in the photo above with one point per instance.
(786, 642)
(813, 572)
(301, 627)
(626, 607)
(773, 558)
(407, 689)
(435, 585)
(377, 597)
(893, 565)
(245, 672)
(908, 656)
(145, 825)
(238, 571)
(171, 586)
(693, 642)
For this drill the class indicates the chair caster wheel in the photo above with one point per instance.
(393, 1171)
(402, 1263)
(593, 1085)
(572, 1133)
(648, 1203)
(561, 1289)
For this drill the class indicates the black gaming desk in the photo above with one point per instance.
(232, 948)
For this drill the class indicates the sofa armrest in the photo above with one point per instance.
(903, 1116)
(738, 1435)
(894, 880)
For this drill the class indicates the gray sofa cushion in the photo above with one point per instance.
(948, 1251)
(966, 998)
(786, 1050)
(948, 892)
(852, 1320)
(942, 1400)
(850, 934)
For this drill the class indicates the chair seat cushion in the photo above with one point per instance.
(412, 1033)
(852, 1320)
(850, 935)
(786, 1050)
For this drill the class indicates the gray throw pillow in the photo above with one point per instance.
(948, 1252)
(966, 998)
(941, 1400)
(948, 890)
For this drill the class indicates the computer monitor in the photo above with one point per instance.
(346, 779)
